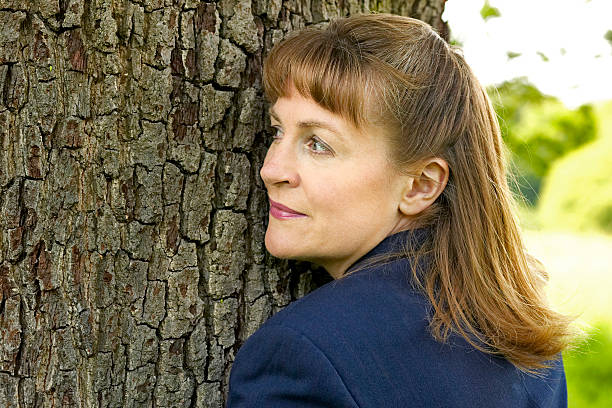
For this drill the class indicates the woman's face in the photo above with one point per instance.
(338, 177)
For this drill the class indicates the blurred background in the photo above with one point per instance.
(547, 66)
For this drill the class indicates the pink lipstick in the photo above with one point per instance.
(277, 210)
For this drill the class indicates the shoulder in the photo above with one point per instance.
(345, 330)
(547, 388)
(280, 367)
(298, 356)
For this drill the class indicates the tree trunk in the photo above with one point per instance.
(132, 258)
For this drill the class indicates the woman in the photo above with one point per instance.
(387, 169)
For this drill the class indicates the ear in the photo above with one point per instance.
(424, 186)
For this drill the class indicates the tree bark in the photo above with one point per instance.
(132, 214)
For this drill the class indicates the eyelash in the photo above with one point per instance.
(313, 138)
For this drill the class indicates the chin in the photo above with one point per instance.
(282, 248)
(277, 247)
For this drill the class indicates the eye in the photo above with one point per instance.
(323, 149)
(277, 133)
(319, 148)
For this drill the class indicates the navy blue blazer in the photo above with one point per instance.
(363, 341)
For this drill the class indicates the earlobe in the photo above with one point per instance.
(421, 191)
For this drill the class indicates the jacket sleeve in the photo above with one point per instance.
(280, 367)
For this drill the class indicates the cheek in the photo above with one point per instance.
(374, 192)
(354, 192)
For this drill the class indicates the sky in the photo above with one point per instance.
(569, 33)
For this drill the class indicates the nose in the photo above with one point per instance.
(280, 166)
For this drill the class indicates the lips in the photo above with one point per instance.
(281, 211)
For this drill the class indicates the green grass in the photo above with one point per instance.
(589, 370)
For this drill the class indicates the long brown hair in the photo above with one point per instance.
(398, 73)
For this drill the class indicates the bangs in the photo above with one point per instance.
(324, 67)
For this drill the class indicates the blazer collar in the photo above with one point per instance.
(394, 243)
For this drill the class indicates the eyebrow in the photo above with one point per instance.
(309, 124)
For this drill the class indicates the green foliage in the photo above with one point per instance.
(589, 371)
(538, 129)
(512, 54)
(577, 194)
(487, 12)
(549, 131)
(608, 36)
(455, 42)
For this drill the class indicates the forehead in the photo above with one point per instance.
(294, 109)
